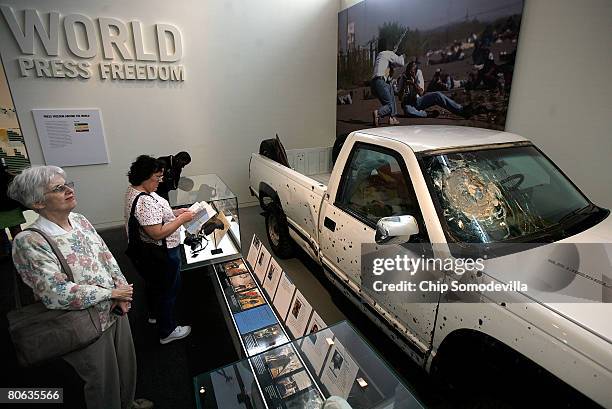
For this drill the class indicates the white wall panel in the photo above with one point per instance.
(253, 69)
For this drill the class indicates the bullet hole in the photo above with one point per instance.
(479, 274)
(350, 247)
(414, 320)
(529, 328)
(503, 304)
(444, 318)
(344, 248)
(312, 187)
(479, 321)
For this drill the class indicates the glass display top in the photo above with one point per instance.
(191, 189)
(335, 361)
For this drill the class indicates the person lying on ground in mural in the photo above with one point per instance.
(173, 166)
(380, 83)
(414, 102)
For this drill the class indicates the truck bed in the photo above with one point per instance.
(300, 187)
(322, 178)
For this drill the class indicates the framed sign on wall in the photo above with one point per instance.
(71, 137)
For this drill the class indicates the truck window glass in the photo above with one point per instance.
(492, 195)
(374, 186)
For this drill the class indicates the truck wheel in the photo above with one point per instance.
(277, 231)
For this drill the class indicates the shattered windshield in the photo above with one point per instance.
(503, 194)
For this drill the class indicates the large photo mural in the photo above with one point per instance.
(417, 62)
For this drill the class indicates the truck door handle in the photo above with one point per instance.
(329, 223)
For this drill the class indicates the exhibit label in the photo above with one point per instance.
(121, 47)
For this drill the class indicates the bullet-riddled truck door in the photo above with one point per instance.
(375, 183)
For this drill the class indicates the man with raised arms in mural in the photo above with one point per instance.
(380, 83)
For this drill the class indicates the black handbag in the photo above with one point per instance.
(40, 334)
(144, 256)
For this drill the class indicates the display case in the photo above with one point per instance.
(335, 361)
(223, 243)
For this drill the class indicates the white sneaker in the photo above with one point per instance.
(152, 320)
(178, 333)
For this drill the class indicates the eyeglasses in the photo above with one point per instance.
(62, 188)
(159, 178)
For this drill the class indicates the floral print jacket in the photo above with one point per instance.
(95, 270)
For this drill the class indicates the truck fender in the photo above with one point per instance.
(268, 197)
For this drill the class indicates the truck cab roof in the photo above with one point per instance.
(433, 137)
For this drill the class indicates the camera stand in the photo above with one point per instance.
(215, 250)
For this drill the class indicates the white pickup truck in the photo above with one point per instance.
(449, 185)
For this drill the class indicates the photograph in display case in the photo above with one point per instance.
(250, 298)
(253, 251)
(299, 315)
(261, 265)
(242, 282)
(282, 361)
(273, 276)
(339, 372)
(235, 267)
(293, 384)
(264, 339)
(284, 295)
(270, 336)
(307, 400)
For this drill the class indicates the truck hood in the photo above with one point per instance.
(572, 277)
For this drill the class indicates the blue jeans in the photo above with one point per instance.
(162, 283)
(384, 93)
(166, 320)
(430, 99)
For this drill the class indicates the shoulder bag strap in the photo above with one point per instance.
(58, 254)
(136, 236)
(60, 257)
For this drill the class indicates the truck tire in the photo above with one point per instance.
(277, 230)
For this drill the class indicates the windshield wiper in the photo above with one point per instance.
(583, 211)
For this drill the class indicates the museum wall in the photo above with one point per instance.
(252, 69)
(561, 89)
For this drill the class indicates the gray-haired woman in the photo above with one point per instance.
(108, 366)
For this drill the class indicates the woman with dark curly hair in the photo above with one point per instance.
(157, 224)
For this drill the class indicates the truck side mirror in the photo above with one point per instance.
(396, 229)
